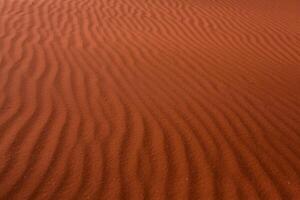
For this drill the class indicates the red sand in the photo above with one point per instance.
(149, 99)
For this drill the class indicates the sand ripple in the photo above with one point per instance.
(111, 99)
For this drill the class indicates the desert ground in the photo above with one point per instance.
(149, 99)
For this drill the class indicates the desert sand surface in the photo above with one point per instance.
(149, 99)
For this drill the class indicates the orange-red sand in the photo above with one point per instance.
(149, 99)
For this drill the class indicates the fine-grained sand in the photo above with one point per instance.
(149, 99)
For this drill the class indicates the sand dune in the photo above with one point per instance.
(111, 99)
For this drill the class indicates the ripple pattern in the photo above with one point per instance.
(111, 99)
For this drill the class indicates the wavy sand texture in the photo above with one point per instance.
(149, 99)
